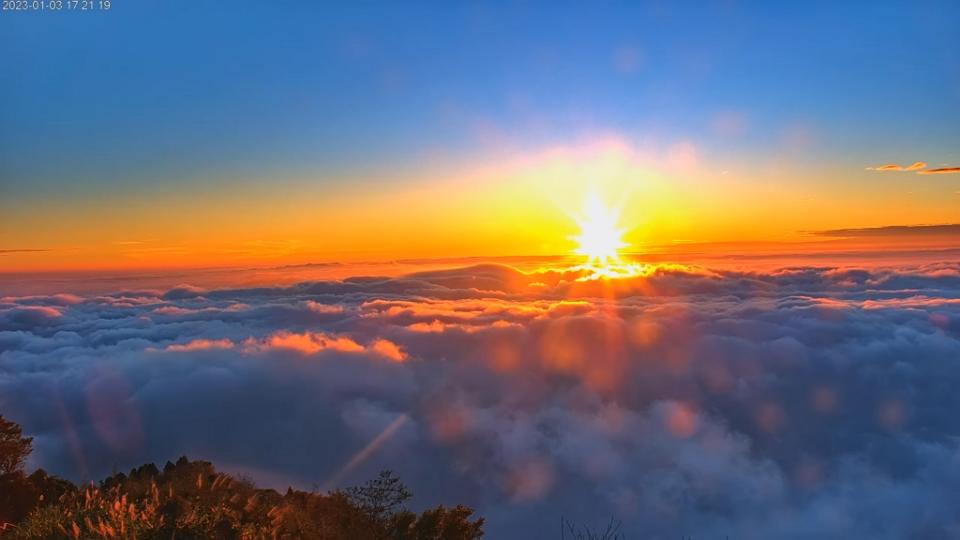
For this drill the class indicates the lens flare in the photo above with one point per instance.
(600, 241)
(600, 238)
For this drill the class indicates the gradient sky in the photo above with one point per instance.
(200, 133)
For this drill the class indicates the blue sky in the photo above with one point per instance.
(163, 122)
(189, 90)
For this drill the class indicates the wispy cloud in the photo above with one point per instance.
(916, 166)
(894, 230)
(941, 170)
(5, 251)
(895, 167)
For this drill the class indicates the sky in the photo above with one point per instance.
(310, 241)
(190, 134)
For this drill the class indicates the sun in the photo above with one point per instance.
(601, 237)
(600, 241)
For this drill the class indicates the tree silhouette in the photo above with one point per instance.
(569, 530)
(18, 495)
(380, 497)
(191, 500)
(14, 447)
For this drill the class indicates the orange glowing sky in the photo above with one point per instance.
(424, 133)
(521, 205)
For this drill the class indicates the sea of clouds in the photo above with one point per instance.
(803, 402)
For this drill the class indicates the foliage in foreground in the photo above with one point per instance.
(570, 530)
(191, 500)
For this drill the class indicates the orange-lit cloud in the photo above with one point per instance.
(317, 307)
(437, 327)
(895, 167)
(460, 311)
(309, 343)
(312, 342)
(917, 166)
(388, 349)
(941, 170)
(201, 345)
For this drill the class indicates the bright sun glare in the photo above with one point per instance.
(600, 241)
(600, 238)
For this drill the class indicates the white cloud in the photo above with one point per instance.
(792, 403)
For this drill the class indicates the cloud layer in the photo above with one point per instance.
(895, 167)
(917, 166)
(801, 402)
(951, 229)
(941, 170)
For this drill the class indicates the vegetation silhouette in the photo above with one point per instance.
(569, 529)
(191, 500)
